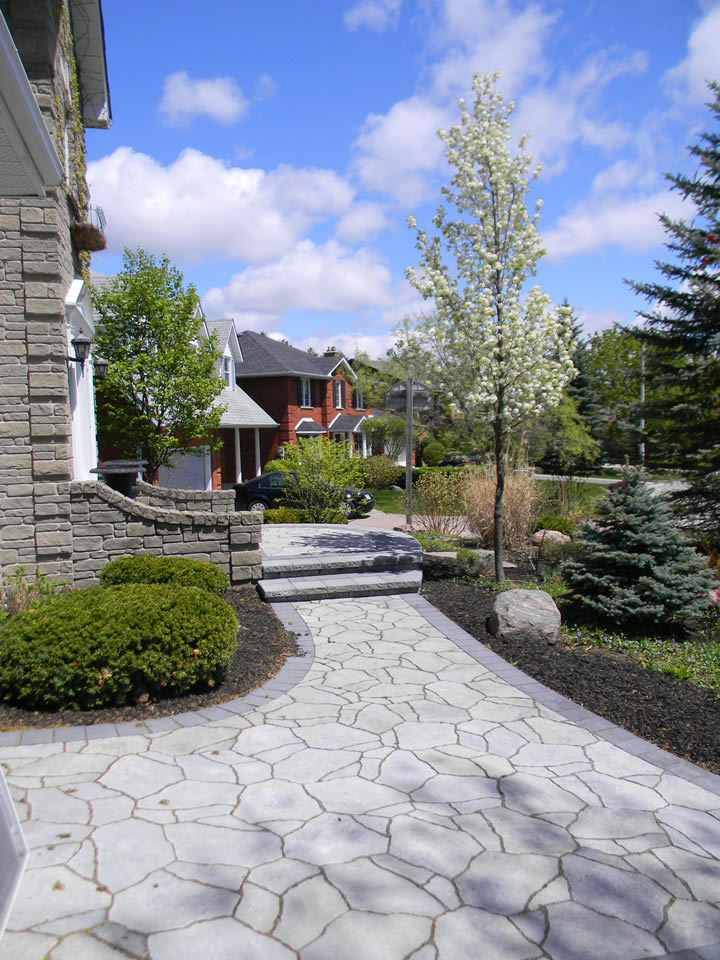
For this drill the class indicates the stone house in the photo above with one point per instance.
(54, 516)
(54, 84)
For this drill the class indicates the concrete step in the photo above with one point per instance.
(363, 584)
(322, 564)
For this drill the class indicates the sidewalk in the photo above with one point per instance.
(412, 796)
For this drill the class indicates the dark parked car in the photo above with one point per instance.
(267, 492)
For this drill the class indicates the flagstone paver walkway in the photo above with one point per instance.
(404, 801)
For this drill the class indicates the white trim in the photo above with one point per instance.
(238, 457)
(258, 464)
(347, 364)
(22, 121)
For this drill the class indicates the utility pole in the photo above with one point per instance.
(408, 449)
(642, 405)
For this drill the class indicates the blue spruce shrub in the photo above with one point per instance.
(634, 567)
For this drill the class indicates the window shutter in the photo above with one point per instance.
(299, 392)
(343, 394)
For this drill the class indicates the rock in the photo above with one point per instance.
(549, 536)
(524, 615)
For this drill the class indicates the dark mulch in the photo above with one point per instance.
(262, 648)
(674, 714)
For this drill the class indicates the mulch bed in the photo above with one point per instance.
(262, 648)
(674, 714)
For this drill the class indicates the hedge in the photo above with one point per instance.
(105, 646)
(149, 568)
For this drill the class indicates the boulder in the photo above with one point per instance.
(524, 615)
(541, 537)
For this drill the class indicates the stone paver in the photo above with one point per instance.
(403, 794)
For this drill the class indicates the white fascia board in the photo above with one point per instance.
(78, 309)
(352, 373)
(22, 120)
(89, 36)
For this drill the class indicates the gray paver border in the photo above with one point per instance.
(602, 728)
(289, 675)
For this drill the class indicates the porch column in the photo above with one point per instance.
(364, 444)
(258, 465)
(238, 460)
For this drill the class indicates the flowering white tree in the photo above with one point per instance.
(500, 355)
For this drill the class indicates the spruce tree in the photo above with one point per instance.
(684, 324)
(635, 568)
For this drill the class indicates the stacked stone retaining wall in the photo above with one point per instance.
(105, 524)
(171, 498)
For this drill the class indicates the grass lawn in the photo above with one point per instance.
(389, 501)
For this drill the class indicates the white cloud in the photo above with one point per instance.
(632, 224)
(327, 277)
(219, 98)
(488, 35)
(624, 173)
(593, 321)
(558, 116)
(374, 345)
(265, 87)
(362, 221)
(395, 151)
(199, 207)
(377, 15)
(687, 82)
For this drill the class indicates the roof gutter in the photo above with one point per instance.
(22, 121)
(89, 35)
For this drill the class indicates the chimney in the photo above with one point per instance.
(332, 352)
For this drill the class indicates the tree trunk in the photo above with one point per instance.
(499, 432)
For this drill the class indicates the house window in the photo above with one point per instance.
(227, 372)
(305, 392)
(339, 394)
(358, 399)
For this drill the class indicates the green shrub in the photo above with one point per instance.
(21, 594)
(434, 542)
(551, 521)
(149, 568)
(283, 515)
(274, 465)
(381, 472)
(438, 502)
(432, 453)
(423, 471)
(293, 515)
(103, 646)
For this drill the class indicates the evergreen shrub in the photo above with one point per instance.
(150, 568)
(634, 567)
(104, 646)
(432, 453)
(381, 472)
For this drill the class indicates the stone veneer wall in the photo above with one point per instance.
(171, 498)
(37, 265)
(105, 524)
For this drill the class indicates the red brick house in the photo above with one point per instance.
(305, 394)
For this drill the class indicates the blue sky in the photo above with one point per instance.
(274, 150)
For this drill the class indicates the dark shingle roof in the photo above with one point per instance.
(309, 426)
(263, 356)
(346, 422)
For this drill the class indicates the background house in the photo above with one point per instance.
(53, 84)
(242, 420)
(307, 395)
